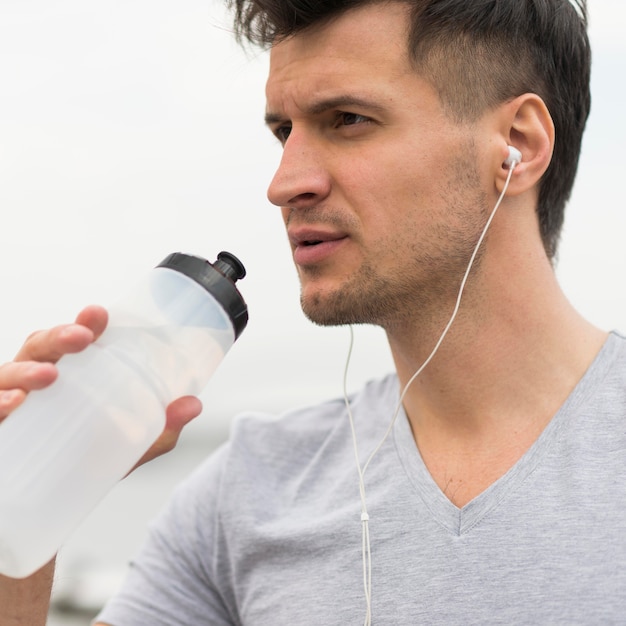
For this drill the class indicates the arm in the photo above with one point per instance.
(25, 601)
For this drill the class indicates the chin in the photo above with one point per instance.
(323, 310)
(339, 308)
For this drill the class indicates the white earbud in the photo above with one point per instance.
(514, 158)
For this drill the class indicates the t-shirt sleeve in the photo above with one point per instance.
(173, 579)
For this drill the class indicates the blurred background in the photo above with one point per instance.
(132, 129)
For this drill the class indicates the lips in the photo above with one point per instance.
(311, 237)
(313, 245)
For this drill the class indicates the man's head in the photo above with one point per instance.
(477, 55)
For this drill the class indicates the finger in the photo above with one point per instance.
(178, 414)
(10, 400)
(26, 375)
(17, 379)
(93, 317)
(50, 345)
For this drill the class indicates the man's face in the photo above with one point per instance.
(379, 189)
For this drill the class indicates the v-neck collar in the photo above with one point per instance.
(461, 520)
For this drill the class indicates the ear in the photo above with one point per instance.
(524, 123)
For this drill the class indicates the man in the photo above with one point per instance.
(496, 496)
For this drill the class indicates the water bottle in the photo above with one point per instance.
(67, 445)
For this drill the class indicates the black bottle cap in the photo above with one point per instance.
(218, 279)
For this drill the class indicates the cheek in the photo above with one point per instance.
(404, 213)
(395, 195)
(390, 171)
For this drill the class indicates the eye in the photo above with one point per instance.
(282, 132)
(344, 118)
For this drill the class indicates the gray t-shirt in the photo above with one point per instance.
(267, 531)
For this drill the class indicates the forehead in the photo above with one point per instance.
(363, 45)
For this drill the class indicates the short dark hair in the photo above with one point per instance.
(478, 54)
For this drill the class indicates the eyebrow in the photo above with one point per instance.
(327, 104)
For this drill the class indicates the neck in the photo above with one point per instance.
(513, 355)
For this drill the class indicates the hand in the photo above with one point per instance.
(33, 368)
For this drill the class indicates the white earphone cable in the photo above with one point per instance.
(366, 547)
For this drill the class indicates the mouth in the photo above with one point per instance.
(312, 246)
(308, 237)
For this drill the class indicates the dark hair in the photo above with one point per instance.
(478, 54)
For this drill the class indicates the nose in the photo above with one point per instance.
(301, 180)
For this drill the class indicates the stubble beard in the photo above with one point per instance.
(353, 303)
(421, 296)
(425, 285)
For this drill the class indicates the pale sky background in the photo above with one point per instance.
(130, 129)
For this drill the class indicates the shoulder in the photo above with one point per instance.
(606, 378)
(613, 354)
(592, 419)
(310, 426)
(267, 459)
(265, 449)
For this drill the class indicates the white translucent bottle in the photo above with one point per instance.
(67, 445)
